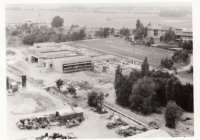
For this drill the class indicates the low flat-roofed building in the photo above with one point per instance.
(45, 49)
(58, 54)
(72, 64)
(185, 35)
(36, 57)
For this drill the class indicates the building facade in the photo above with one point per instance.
(73, 64)
(157, 31)
(185, 35)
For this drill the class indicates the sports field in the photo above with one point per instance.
(119, 46)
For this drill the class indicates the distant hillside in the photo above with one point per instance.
(13, 8)
(175, 13)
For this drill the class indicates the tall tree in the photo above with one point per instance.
(169, 36)
(57, 21)
(180, 43)
(142, 94)
(118, 77)
(138, 23)
(172, 114)
(145, 67)
(59, 83)
(170, 88)
(124, 92)
(81, 34)
(184, 45)
(106, 32)
(112, 31)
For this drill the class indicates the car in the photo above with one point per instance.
(71, 136)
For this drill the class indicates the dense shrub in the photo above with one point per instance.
(138, 91)
(180, 55)
(172, 114)
(142, 94)
(167, 63)
(15, 33)
(96, 99)
(57, 21)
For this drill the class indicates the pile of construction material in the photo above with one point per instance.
(57, 119)
(115, 121)
(125, 129)
(129, 130)
(56, 136)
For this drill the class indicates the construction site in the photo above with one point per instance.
(37, 109)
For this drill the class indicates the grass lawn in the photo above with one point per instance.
(119, 46)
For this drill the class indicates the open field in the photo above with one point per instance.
(119, 46)
(91, 19)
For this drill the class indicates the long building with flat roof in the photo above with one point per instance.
(59, 58)
(72, 64)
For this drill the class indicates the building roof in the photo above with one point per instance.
(71, 110)
(152, 133)
(56, 54)
(46, 49)
(73, 59)
(163, 28)
(48, 44)
(183, 33)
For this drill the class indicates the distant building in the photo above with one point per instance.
(58, 57)
(30, 21)
(131, 38)
(157, 31)
(184, 34)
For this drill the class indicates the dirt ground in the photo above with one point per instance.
(38, 100)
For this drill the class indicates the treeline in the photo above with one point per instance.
(186, 45)
(104, 32)
(146, 91)
(52, 36)
(140, 31)
(124, 31)
(174, 13)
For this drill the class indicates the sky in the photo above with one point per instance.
(139, 4)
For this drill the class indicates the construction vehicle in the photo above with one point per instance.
(128, 131)
(20, 125)
(72, 123)
(71, 136)
(113, 124)
(115, 121)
